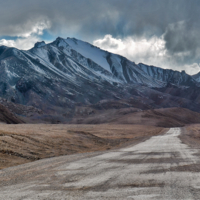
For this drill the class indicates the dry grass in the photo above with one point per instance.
(24, 143)
(191, 135)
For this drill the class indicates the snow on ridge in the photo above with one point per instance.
(95, 54)
(51, 67)
(82, 60)
(112, 63)
(39, 44)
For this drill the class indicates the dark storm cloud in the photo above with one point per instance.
(95, 18)
(183, 37)
(177, 21)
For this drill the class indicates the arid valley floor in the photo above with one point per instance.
(152, 154)
(24, 143)
(159, 167)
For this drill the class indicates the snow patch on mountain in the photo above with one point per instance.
(90, 51)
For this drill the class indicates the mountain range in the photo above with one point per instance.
(69, 78)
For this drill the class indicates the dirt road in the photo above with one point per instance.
(162, 167)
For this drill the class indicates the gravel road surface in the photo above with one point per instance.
(162, 167)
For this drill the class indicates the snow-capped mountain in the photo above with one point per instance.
(69, 71)
(111, 67)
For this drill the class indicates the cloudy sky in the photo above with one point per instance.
(163, 33)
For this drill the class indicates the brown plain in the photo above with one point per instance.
(24, 143)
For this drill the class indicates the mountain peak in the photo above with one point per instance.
(39, 44)
(59, 38)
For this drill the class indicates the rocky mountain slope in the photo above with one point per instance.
(57, 77)
(8, 117)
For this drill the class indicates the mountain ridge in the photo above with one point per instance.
(66, 73)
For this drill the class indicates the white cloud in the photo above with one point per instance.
(110, 43)
(140, 50)
(36, 29)
(21, 43)
(149, 51)
(29, 37)
(192, 69)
